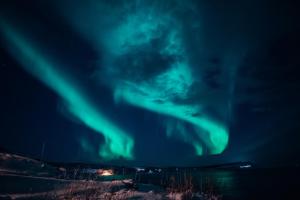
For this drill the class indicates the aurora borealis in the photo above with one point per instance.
(117, 142)
(159, 92)
(135, 79)
(145, 36)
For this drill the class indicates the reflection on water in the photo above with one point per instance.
(232, 184)
(256, 184)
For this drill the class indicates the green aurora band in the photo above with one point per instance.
(118, 143)
(217, 136)
(160, 92)
(146, 33)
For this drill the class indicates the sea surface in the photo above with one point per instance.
(231, 184)
(279, 183)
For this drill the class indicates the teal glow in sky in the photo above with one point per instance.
(156, 82)
(118, 143)
(166, 92)
(146, 56)
(214, 135)
(149, 67)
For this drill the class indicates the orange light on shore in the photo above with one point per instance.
(105, 172)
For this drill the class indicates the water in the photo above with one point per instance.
(244, 184)
(234, 184)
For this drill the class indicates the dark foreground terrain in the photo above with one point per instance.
(25, 178)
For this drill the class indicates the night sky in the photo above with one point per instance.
(182, 83)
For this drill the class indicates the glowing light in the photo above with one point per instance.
(117, 142)
(138, 169)
(199, 149)
(105, 172)
(217, 135)
(245, 166)
(162, 93)
(150, 28)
